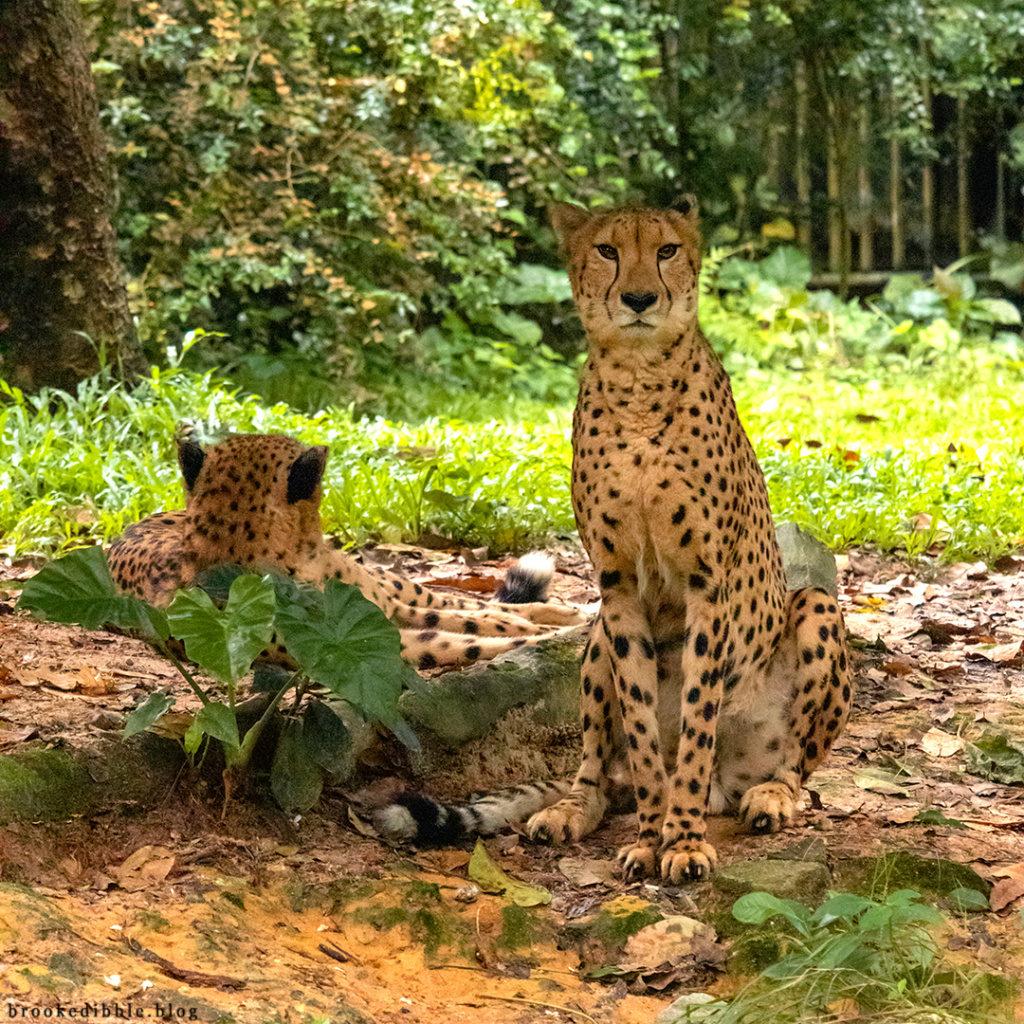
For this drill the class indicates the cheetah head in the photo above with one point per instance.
(634, 271)
(253, 499)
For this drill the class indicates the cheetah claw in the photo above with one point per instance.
(688, 861)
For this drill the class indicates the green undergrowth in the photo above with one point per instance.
(852, 958)
(917, 459)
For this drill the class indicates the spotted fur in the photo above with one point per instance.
(706, 686)
(254, 500)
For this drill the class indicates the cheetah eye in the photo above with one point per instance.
(666, 252)
(609, 252)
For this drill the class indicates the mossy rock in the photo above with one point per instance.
(463, 706)
(41, 784)
(601, 937)
(877, 877)
(523, 928)
(805, 881)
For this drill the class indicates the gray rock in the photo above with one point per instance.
(811, 849)
(803, 881)
(462, 706)
(808, 563)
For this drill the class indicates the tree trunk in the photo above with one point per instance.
(896, 204)
(803, 163)
(62, 297)
(865, 199)
(963, 185)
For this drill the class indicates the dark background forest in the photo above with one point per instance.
(353, 192)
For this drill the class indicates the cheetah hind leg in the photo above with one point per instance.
(809, 681)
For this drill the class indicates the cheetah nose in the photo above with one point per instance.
(639, 301)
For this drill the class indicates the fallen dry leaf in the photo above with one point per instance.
(898, 667)
(1011, 654)
(584, 872)
(93, 683)
(1005, 892)
(941, 744)
(473, 584)
(147, 866)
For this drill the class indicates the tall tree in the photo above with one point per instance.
(62, 297)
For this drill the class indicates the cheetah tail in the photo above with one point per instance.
(424, 822)
(527, 581)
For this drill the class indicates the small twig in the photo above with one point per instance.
(335, 952)
(537, 1002)
(196, 978)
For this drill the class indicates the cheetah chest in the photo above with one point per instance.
(642, 509)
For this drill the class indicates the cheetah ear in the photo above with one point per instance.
(191, 458)
(567, 219)
(305, 473)
(686, 204)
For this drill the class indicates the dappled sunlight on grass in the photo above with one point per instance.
(911, 459)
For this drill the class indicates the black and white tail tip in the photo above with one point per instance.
(423, 822)
(527, 581)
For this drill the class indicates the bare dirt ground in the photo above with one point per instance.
(166, 911)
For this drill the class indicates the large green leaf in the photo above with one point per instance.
(325, 737)
(217, 721)
(787, 267)
(346, 643)
(78, 588)
(224, 641)
(154, 707)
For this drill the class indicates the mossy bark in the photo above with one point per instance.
(62, 295)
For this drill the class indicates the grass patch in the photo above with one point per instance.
(852, 958)
(912, 459)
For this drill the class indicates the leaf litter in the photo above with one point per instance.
(307, 913)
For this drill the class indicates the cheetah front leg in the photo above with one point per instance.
(809, 679)
(581, 810)
(685, 853)
(628, 671)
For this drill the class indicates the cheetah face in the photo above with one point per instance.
(634, 271)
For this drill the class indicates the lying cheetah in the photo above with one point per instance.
(254, 500)
(705, 684)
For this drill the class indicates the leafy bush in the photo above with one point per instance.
(312, 177)
(764, 309)
(853, 957)
(335, 637)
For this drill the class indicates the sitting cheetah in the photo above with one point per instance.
(254, 500)
(705, 685)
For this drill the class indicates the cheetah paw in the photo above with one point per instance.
(563, 822)
(638, 861)
(768, 807)
(688, 860)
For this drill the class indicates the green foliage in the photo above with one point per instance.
(999, 757)
(81, 590)
(306, 177)
(225, 641)
(346, 195)
(335, 637)
(878, 957)
(347, 645)
(914, 454)
(767, 311)
(82, 467)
